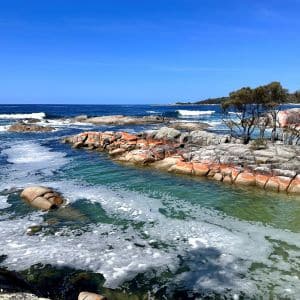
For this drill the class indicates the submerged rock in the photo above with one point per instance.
(24, 127)
(42, 197)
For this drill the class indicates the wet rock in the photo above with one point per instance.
(166, 163)
(218, 177)
(42, 197)
(227, 179)
(200, 169)
(23, 127)
(33, 229)
(246, 178)
(294, 186)
(90, 296)
(261, 180)
(81, 118)
(182, 167)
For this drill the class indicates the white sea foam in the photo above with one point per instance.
(39, 116)
(3, 202)
(152, 112)
(183, 112)
(234, 113)
(218, 250)
(4, 128)
(29, 162)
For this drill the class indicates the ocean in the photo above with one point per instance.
(137, 230)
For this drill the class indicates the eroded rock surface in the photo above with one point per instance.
(42, 197)
(26, 127)
(121, 120)
(201, 153)
(289, 117)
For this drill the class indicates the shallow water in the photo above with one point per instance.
(166, 232)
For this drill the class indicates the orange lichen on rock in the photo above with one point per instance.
(294, 186)
(261, 180)
(182, 167)
(246, 178)
(200, 169)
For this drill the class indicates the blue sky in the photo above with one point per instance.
(136, 51)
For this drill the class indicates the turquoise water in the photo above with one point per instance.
(142, 230)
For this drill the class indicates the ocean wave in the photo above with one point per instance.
(153, 112)
(39, 116)
(234, 113)
(4, 128)
(183, 112)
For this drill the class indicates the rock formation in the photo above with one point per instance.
(201, 153)
(26, 127)
(42, 197)
(289, 117)
(120, 120)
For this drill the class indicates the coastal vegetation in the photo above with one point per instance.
(252, 108)
(293, 97)
(248, 110)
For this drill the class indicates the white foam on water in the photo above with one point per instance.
(3, 202)
(4, 128)
(153, 112)
(234, 113)
(105, 249)
(33, 154)
(40, 116)
(63, 123)
(218, 250)
(183, 112)
(29, 162)
(214, 123)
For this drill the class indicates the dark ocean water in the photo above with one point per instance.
(143, 230)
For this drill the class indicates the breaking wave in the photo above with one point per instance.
(195, 112)
(38, 116)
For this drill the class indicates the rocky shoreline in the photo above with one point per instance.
(120, 120)
(273, 167)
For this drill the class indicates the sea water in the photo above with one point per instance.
(182, 233)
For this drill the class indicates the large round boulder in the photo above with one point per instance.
(42, 197)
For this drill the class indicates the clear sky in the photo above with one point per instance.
(138, 51)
